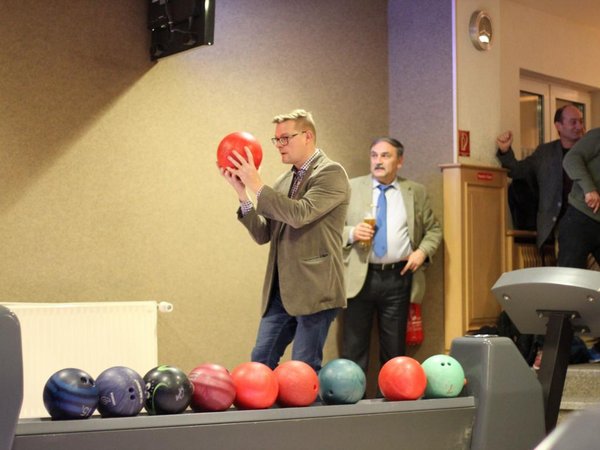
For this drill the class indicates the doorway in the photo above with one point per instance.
(538, 101)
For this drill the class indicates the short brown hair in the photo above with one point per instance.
(303, 118)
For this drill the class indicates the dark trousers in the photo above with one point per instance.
(578, 236)
(385, 294)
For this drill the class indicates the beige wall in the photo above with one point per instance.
(479, 82)
(525, 39)
(552, 47)
(108, 187)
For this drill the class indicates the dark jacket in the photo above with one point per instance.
(545, 165)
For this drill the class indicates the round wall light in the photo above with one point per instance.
(480, 30)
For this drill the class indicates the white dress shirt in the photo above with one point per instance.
(398, 240)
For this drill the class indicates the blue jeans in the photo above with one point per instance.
(278, 329)
(578, 236)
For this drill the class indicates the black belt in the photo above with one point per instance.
(388, 266)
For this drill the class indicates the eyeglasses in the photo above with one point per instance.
(284, 140)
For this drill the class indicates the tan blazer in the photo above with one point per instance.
(305, 236)
(423, 228)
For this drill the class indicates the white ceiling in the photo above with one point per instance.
(586, 12)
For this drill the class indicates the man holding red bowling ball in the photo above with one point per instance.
(302, 217)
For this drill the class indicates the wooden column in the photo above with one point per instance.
(475, 216)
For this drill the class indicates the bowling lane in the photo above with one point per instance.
(445, 422)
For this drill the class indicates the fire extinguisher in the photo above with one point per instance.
(414, 326)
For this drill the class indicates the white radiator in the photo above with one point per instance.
(87, 336)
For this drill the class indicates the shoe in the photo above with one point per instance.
(594, 354)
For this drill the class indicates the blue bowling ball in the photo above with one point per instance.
(341, 381)
(121, 392)
(70, 394)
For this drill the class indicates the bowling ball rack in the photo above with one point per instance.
(319, 426)
(503, 405)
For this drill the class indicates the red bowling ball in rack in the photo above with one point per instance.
(402, 378)
(298, 384)
(256, 386)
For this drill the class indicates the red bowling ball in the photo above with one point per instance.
(298, 384)
(237, 141)
(402, 378)
(256, 386)
(213, 388)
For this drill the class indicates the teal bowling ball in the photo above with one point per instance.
(341, 382)
(445, 376)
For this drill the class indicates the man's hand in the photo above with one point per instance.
(363, 232)
(245, 170)
(592, 199)
(415, 260)
(504, 141)
(234, 181)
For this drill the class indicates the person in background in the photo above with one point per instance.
(543, 168)
(579, 231)
(385, 262)
(302, 217)
(543, 172)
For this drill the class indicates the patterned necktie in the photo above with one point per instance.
(295, 183)
(380, 238)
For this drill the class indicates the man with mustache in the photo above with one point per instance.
(385, 276)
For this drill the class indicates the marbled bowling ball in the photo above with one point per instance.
(70, 394)
(121, 392)
(169, 391)
(213, 388)
(341, 381)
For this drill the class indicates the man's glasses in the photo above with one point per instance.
(284, 140)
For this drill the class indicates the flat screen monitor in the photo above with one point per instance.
(179, 25)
